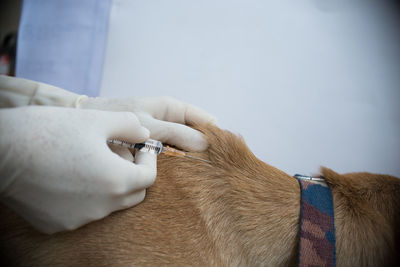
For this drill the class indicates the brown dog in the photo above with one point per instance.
(236, 211)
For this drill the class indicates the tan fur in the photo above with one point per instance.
(237, 211)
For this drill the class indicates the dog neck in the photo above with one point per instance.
(250, 209)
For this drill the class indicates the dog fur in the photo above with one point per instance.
(236, 211)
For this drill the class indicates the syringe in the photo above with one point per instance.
(155, 147)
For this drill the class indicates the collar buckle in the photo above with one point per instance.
(310, 178)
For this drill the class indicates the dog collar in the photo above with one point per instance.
(317, 229)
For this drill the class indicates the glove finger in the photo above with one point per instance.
(142, 174)
(126, 176)
(172, 110)
(195, 115)
(125, 126)
(132, 199)
(123, 152)
(175, 134)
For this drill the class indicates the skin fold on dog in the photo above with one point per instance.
(235, 211)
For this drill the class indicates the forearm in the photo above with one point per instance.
(16, 92)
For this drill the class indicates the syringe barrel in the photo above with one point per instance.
(152, 146)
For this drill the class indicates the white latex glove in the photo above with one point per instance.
(165, 117)
(57, 171)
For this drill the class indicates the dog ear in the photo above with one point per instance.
(334, 179)
(328, 173)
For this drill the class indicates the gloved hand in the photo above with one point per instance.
(57, 171)
(165, 117)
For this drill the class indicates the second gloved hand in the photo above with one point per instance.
(57, 171)
(165, 117)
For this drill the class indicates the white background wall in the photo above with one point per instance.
(306, 83)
